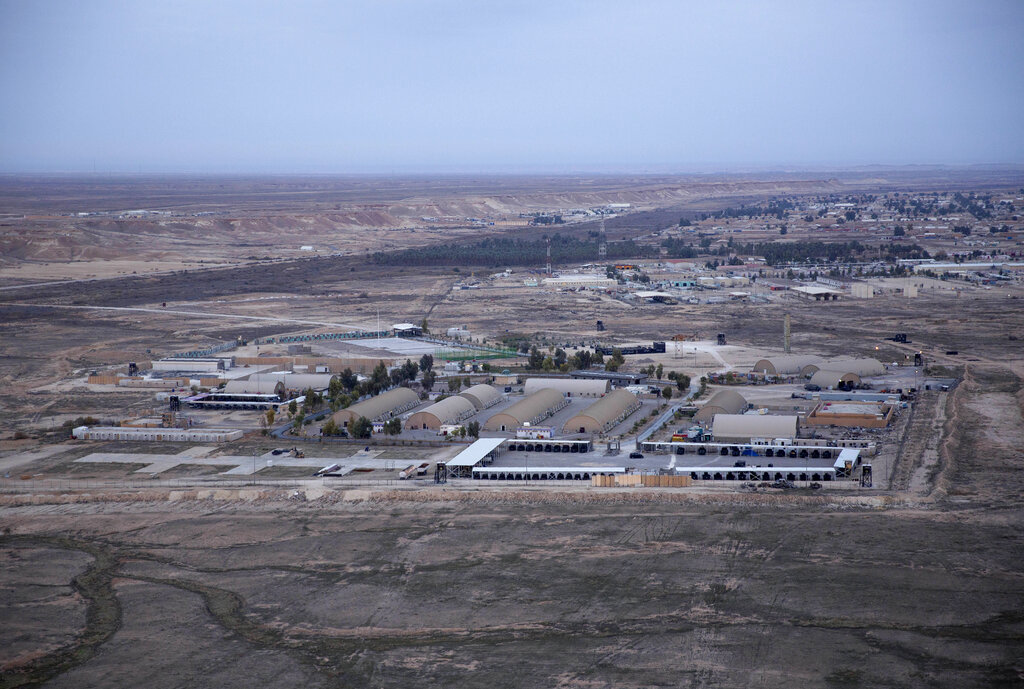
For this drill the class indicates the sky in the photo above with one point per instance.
(349, 86)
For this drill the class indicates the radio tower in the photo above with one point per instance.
(602, 249)
(549, 256)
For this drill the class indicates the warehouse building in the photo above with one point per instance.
(722, 402)
(860, 367)
(745, 428)
(531, 410)
(279, 382)
(175, 365)
(304, 381)
(786, 365)
(182, 435)
(380, 408)
(482, 396)
(816, 292)
(256, 386)
(829, 379)
(604, 414)
(568, 386)
(447, 412)
(616, 378)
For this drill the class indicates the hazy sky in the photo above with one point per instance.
(395, 85)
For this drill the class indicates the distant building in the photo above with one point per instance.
(742, 428)
(604, 414)
(580, 387)
(181, 435)
(581, 281)
(817, 293)
(616, 378)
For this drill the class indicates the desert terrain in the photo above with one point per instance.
(182, 580)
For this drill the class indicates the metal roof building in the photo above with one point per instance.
(568, 386)
(604, 414)
(785, 365)
(862, 367)
(256, 386)
(302, 381)
(740, 428)
(529, 410)
(379, 408)
(618, 379)
(722, 402)
(266, 383)
(826, 379)
(462, 463)
(482, 396)
(450, 410)
(194, 435)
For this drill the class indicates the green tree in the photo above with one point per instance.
(474, 429)
(330, 428)
(682, 381)
(393, 426)
(660, 371)
(428, 380)
(361, 428)
(549, 364)
(426, 362)
(293, 407)
(666, 392)
(560, 356)
(583, 359)
(348, 379)
(423, 326)
(454, 384)
(536, 360)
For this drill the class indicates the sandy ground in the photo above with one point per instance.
(573, 588)
(124, 584)
(39, 272)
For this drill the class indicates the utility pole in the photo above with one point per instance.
(549, 256)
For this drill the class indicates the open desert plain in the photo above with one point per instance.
(511, 345)
(115, 575)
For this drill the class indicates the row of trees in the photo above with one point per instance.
(776, 207)
(502, 251)
(559, 360)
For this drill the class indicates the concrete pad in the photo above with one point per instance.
(198, 451)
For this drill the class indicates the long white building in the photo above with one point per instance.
(178, 435)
